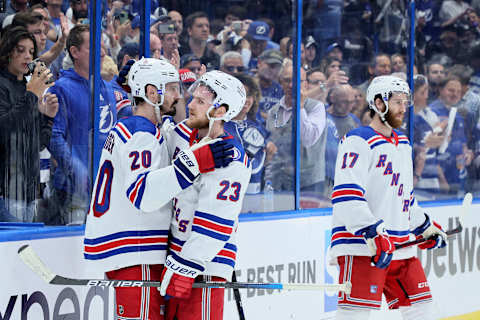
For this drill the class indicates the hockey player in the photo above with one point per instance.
(130, 211)
(374, 208)
(202, 244)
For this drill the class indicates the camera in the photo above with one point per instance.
(32, 66)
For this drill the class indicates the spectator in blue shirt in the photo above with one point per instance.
(456, 156)
(72, 130)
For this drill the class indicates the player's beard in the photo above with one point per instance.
(172, 110)
(395, 120)
(197, 121)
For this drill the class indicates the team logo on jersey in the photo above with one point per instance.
(236, 154)
(106, 119)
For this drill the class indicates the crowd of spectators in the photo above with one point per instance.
(45, 113)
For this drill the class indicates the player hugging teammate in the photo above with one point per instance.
(188, 183)
(374, 208)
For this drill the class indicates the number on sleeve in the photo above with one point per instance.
(354, 159)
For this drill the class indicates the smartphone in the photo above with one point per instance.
(237, 26)
(32, 68)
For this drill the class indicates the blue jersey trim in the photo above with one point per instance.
(124, 234)
(230, 262)
(210, 233)
(211, 217)
(138, 124)
(161, 247)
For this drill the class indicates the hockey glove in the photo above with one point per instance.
(178, 277)
(203, 158)
(122, 79)
(433, 231)
(380, 244)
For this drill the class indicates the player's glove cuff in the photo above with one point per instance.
(184, 267)
(433, 231)
(178, 276)
(186, 168)
(381, 246)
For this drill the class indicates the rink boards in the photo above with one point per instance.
(272, 248)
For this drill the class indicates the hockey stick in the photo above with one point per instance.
(467, 202)
(31, 259)
(238, 298)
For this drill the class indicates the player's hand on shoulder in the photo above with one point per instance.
(433, 231)
(204, 157)
(178, 277)
(380, 244)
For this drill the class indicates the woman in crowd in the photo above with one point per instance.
(26, 117)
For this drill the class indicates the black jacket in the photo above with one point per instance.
(24, 131)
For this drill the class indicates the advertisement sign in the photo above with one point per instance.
(287, 251)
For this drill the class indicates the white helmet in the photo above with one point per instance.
(228, 89)
(151, 71)
(385, 86)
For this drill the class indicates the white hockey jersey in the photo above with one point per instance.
(130, 210)
(373, 181)
(205, 216)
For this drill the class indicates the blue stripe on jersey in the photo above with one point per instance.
(230, 262)
(124, 234)
(348, 241)
(378, 143)
(137, 197)
(349, 186)
(176, 241)
(342, 199)
(114, 252)
(182, 134)
(213, 218)
(209, 233)
(403, 142)
(189, 263)
(230, 246)
(398, 233)
(140, 192)
(339, 229)
(119, 135)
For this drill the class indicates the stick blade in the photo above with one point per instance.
(30, 258)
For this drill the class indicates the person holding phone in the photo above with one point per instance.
(26, 117)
